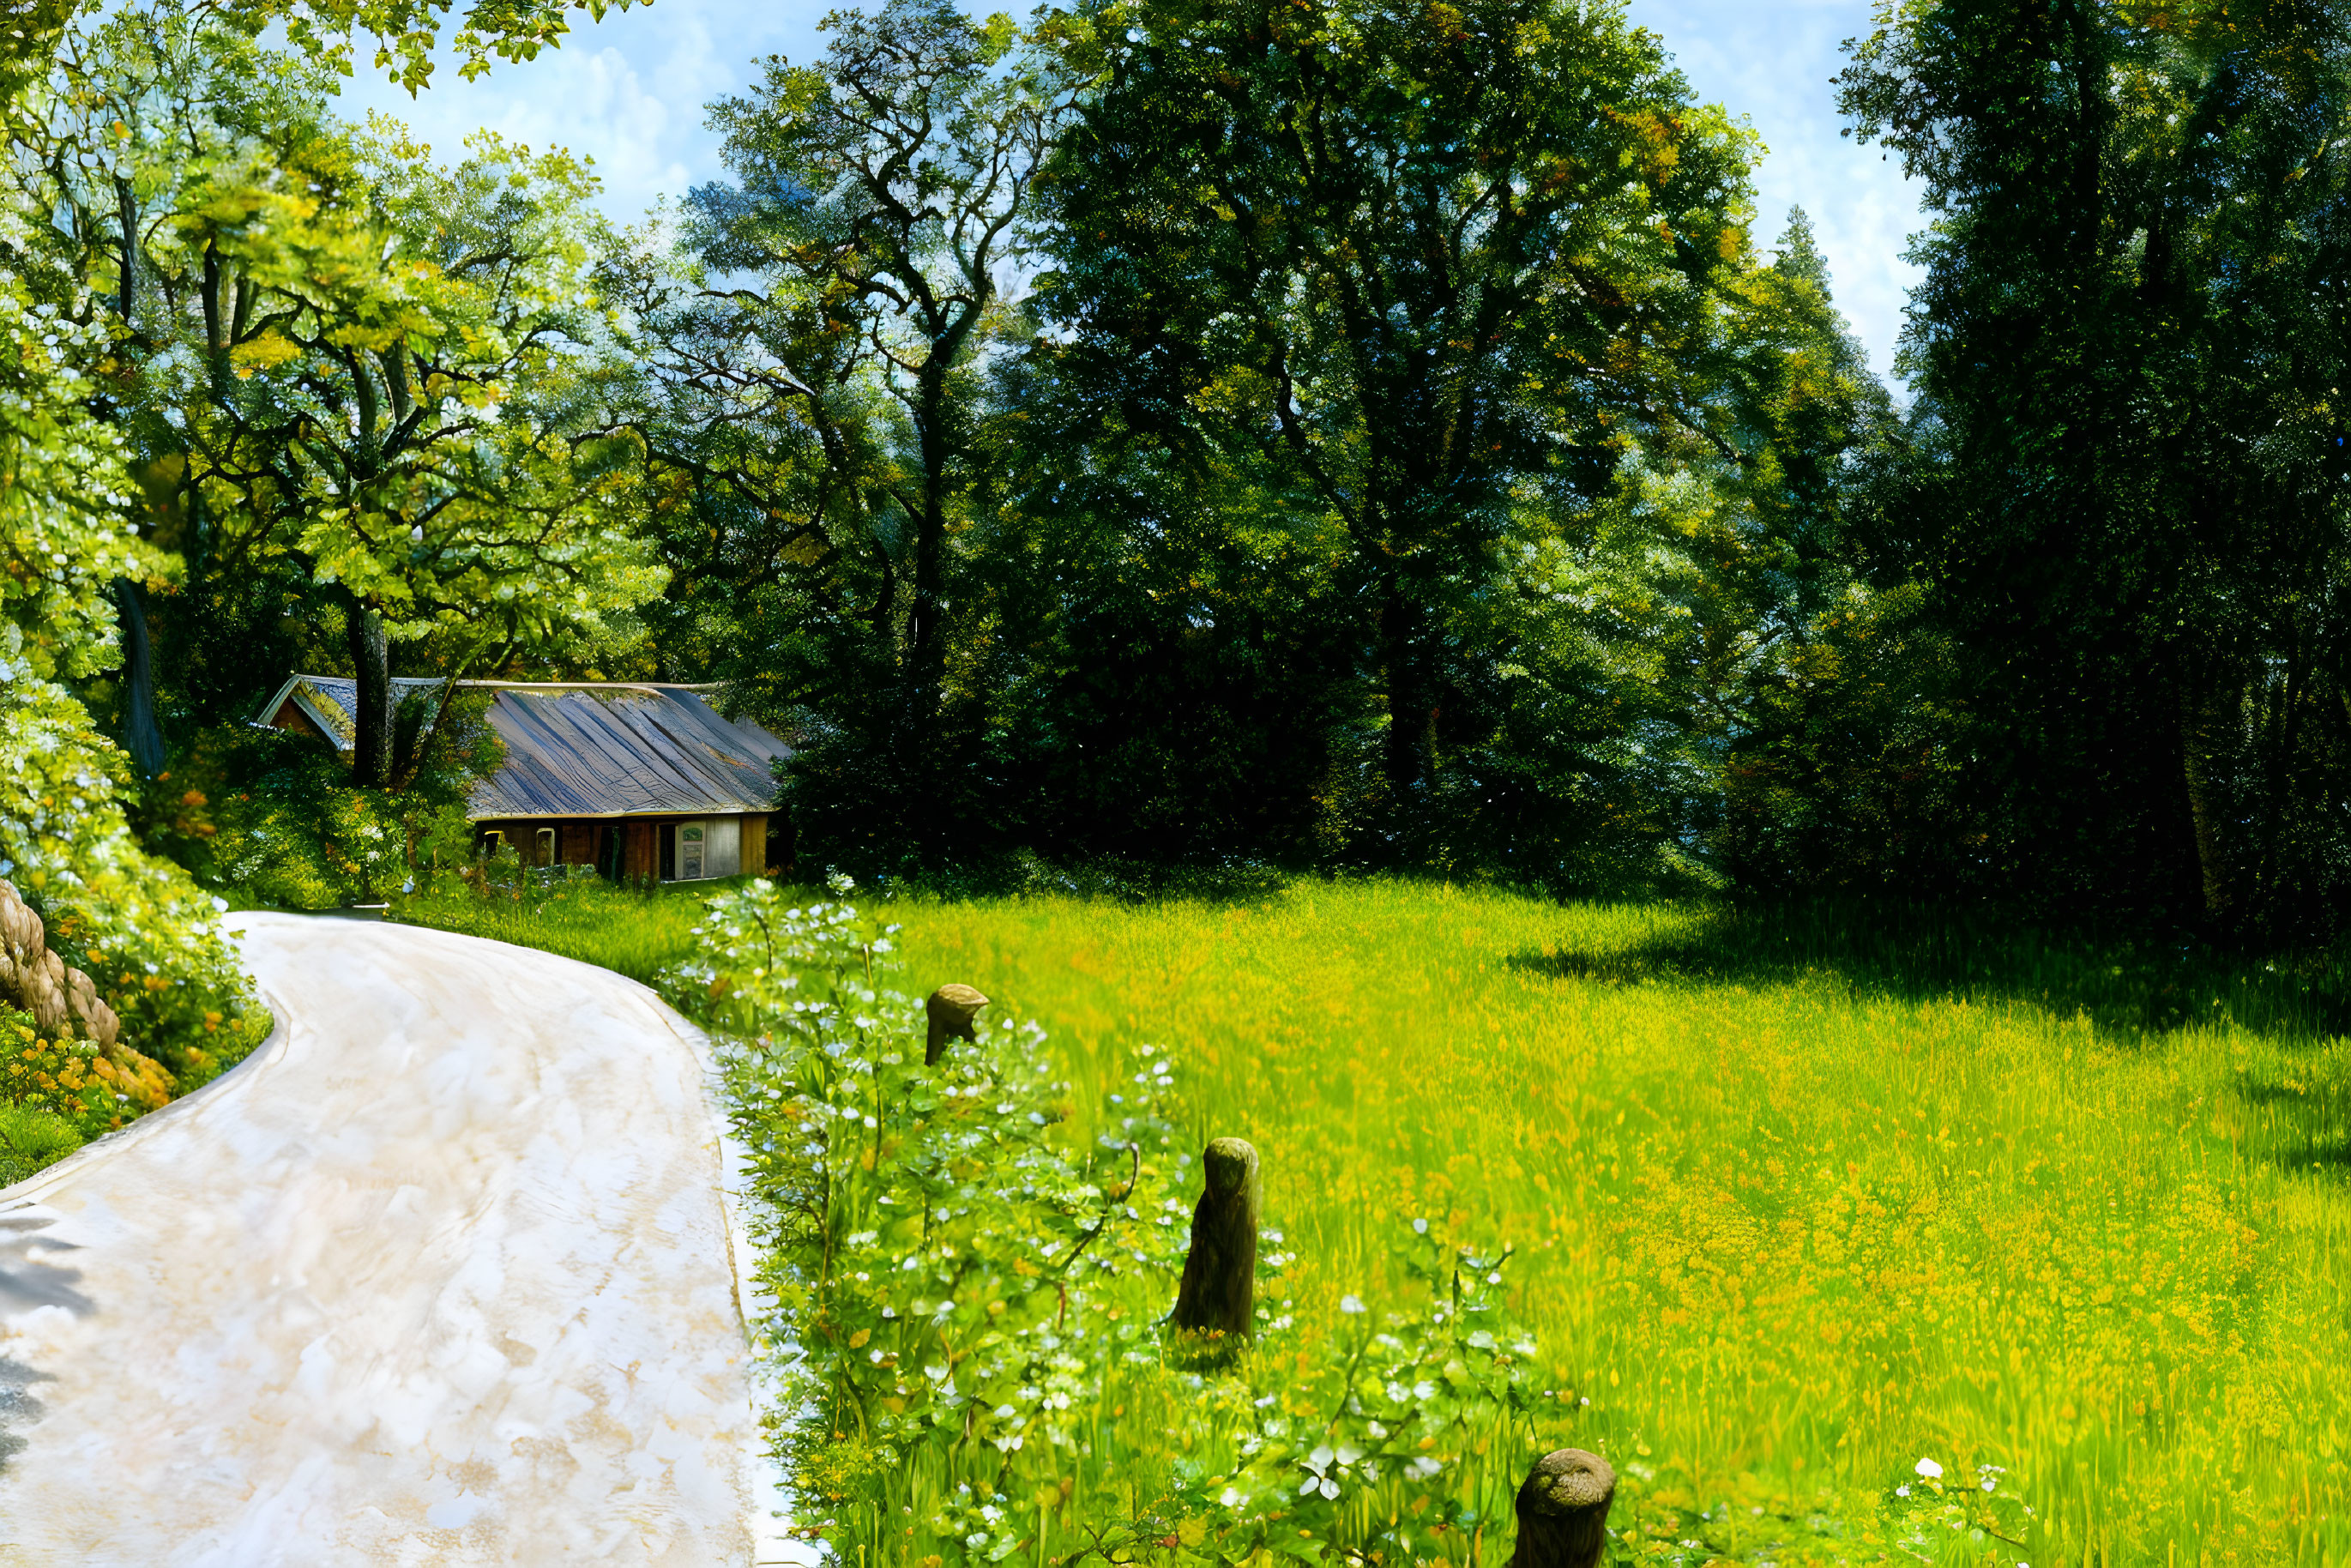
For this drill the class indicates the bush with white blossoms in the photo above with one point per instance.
(1356, 1449)
(951, 1278)
(967, 1340)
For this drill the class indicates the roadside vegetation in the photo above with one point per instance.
(1793, 1204)
(633, 930)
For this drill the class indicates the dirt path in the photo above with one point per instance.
(443, 1275)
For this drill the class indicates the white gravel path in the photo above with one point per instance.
(443, 1275)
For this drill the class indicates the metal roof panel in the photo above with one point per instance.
(591, 749)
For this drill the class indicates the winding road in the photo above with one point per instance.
(445, 1274)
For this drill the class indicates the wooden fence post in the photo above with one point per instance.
(1218, 1291)
(951, 1009)
(1563, 1511)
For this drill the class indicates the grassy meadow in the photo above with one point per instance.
(631, 931)
(1797, 1201)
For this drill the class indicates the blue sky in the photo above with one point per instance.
(629, 92)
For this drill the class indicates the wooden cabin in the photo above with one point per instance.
(636, 779)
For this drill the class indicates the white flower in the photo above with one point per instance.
(1351, 1305)
(1231, 1497)
(1930, 1469)
(1988, 1483)
(1319, 1465)
(1902, 1490)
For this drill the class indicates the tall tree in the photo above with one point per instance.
(70, 526)
(342, 361)
(885, 189)
(2128, 499)
(1420, 254)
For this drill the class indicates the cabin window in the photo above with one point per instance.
(546, 846)
(493, 842)
(689, 852)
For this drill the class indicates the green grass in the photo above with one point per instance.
(30, 1140)
(1799, 1200)
(1797, 1203)
(631, 931)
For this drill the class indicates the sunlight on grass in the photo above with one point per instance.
(631, 931)
(1785, 1227)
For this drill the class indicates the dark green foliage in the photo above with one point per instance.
(1174, 674)
(272, 815)
(1446, 516)
(2122, 482)
(1396, 259)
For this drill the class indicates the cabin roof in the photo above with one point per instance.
(585, 749)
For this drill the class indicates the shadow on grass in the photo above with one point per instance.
(2129, 988)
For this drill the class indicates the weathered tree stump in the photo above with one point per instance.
(1563, 1511)
(951, 1009)
(1218, 1291)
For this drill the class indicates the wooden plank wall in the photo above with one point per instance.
(583, 843)
(640, 851)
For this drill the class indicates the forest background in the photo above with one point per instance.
(1160, 443)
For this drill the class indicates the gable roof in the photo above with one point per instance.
(586, 748)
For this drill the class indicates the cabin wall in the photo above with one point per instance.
(638, 848)
(723, 855)
(642, 859)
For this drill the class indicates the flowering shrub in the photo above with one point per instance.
(72, 1081)
(66, 533)
(146, 934)
(967, 1299)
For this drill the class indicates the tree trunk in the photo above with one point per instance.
(1218, 1291)
(371, 725)
(141, 734)
(2198, 708)
(2270, 874)
(1412, 694)
(1563, 1511)
(926, 647)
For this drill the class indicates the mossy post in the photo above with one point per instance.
(1563, 1511)
(1218, 1291)
(951, 1009)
